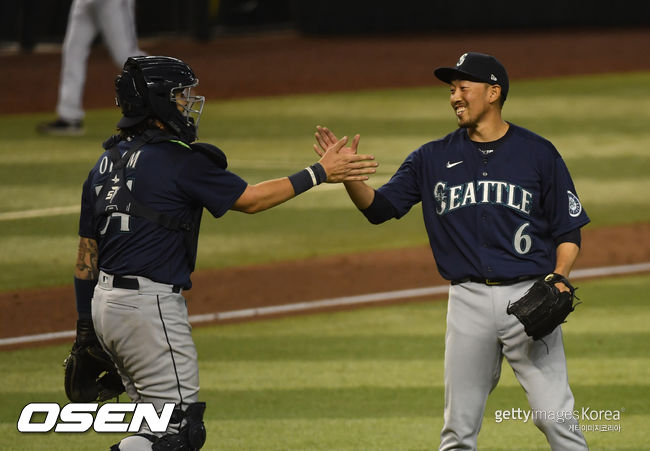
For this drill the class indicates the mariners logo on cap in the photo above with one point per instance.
(575, 207)
(461, 60)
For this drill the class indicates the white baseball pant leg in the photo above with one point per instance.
(117, 26)
(115, 20)
(479, 334)
(79, 35)
(148, 335)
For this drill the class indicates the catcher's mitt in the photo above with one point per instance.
(90, 374)
(544, 307)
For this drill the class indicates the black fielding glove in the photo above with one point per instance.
(544, 307)
(90, 374)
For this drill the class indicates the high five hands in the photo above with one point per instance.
(342, 164)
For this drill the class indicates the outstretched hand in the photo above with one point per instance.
(327, 139)
(342, 164)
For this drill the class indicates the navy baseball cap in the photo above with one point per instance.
(478, 67)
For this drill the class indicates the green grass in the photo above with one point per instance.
(599, 124)
(370, 379)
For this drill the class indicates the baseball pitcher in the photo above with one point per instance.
(503, 219)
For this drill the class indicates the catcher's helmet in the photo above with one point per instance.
(159, 87)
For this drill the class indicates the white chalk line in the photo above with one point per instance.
(334, 302)
(70, 209)
(39, 213)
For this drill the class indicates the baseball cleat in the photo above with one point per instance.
(61, 127)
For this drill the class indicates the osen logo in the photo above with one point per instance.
(80, 417)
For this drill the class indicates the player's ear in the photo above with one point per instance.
(495, 93)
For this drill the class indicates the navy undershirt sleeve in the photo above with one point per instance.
(83, 294)
(572, 236)
(380, 210)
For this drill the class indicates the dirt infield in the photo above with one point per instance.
(282, 63)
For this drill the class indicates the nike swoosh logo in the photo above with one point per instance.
(451, 165)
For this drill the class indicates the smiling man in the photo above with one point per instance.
(501, 211)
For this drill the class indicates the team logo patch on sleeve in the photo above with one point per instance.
(575, 207)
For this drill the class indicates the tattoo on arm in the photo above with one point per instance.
(87, 260)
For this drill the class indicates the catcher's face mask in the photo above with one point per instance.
(189, 104)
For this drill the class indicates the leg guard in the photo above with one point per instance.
(191, 436)
(194, 428)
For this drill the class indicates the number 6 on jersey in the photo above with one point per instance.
(522, 242)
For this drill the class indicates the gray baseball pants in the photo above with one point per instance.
(115, 20)
(479, 335)
(148, 335)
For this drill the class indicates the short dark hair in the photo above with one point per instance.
(139, 128)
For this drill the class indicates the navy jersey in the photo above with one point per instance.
(491, 212)
(171, 179)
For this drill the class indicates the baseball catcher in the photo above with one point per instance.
(141, 209)
(544, 306)
(89, 371)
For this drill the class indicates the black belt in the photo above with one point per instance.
(494, 281)
(128, 283)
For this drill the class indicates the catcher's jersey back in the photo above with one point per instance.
(491, 210)
(171, 179)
